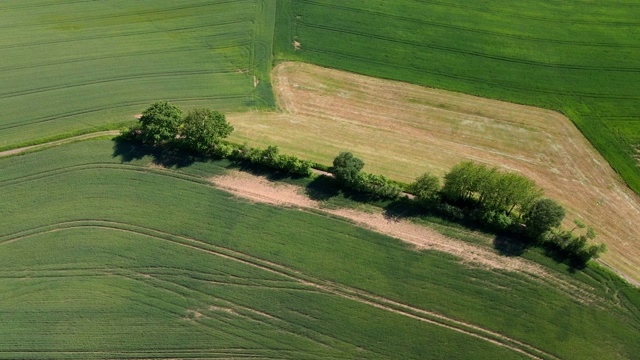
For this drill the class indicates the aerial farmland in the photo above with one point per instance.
(122, 241)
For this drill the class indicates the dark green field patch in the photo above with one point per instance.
(580, 58)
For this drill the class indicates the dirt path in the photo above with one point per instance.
(59, 142)
(259, 189)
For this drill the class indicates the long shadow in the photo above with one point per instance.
(573, 262)
(510, 245)
(263, 171)
(405, 208)
(505, 244)
(129, 151)
(323, 188)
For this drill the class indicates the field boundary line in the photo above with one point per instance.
(45, 145)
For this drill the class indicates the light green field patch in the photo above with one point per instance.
(69, 67)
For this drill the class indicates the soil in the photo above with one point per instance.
(259, 189)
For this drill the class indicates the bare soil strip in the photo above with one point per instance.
(259, 189)
(402, 130)
(326, 286)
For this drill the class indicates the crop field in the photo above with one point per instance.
(403, 130)
(578, 57)
(110, 250)
(76, 66)
(106, 255)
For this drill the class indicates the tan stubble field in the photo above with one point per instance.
(402, 130)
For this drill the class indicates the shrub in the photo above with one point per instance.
(426, 188)
(376, 185)
(346, 168)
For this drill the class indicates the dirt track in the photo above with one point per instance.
(402, 130)
(258, 189)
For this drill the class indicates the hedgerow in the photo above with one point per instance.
(500, 202)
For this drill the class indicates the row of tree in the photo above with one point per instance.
(347, 170)
(200, 130)
(203, 130)
(271, 158)
(504, 202)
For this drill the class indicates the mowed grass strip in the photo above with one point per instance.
(73, 66)
(576, 57)
(402, 130)
(140, 268)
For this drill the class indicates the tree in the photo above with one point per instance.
(542, 216)
(346, 168)
(489, 189)
(510, 192)
(468, 181)
(204, 128)
(425, 188)
(160, 122)
(376, 185)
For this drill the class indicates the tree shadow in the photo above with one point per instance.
(323, 188)
(262, 171)
(169, 157)
(511, 246)
(561, 257)
(405, 208)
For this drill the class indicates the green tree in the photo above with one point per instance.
(511, 191)
(489, 188)
(271, 156)
(542, 216)
(425, 188)
(204, 128)
(376, 185)
(468, 181)
(346, 168)
(160, 122)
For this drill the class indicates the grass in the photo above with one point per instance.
(106, 256)
(579, 58)
(71, 67)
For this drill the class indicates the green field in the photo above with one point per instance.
(103, 256)
(78, 66)
(578, 57)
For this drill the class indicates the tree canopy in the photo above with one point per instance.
(425, 188)
(542, 216)
(476, 183)
(160, 122)
(346, 168)
(203, 129)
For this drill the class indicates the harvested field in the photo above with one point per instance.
(402, 130)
